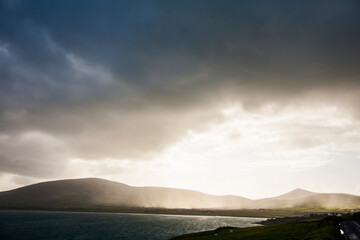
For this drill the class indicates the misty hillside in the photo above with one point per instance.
(331, 200)
(93, 192)
(98, 193)
(295, 194)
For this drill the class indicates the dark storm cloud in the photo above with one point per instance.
(126, 78)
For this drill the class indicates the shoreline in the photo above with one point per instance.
(250, 213)
(133, 213)
(326, 228)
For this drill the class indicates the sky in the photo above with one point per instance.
(250, 98)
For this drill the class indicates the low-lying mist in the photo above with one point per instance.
(98, 193)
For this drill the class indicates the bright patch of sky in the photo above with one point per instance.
(252, 154)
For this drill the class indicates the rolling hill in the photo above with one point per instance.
(295, 194)
(95, 193)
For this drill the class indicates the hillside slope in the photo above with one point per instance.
(295, 194)
(94, 192)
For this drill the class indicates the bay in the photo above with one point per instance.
(20, 225)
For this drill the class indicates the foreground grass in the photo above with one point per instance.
(326, 229)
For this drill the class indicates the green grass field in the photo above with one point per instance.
(326, 229)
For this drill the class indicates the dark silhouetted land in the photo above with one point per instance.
(314, 227)
(327, 228)
(93, 194)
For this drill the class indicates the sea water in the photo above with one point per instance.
(20, 225)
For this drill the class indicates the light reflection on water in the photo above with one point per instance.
(91, 226)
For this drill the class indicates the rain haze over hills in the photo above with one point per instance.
(99, 194)
(245, 98)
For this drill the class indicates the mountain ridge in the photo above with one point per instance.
(98, 193)
(295, 194)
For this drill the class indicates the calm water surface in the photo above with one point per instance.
(67, 225)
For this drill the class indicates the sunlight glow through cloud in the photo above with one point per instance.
(245, 142)
(260, 147)
(214, 97)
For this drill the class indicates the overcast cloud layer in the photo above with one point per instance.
(127, 80)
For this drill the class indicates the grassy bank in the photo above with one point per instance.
(325, 229)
